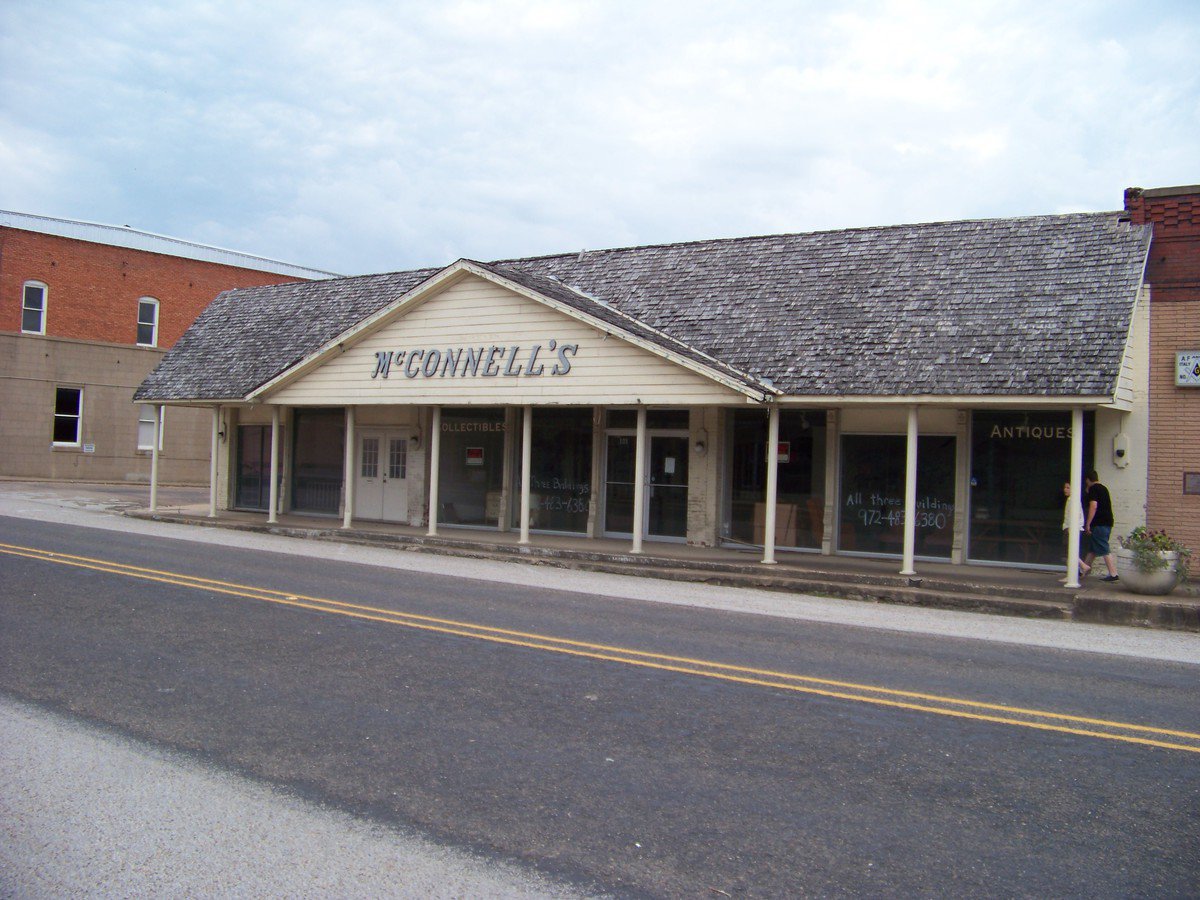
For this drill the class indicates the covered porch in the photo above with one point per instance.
(909, 515)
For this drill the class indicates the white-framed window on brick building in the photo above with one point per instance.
(68, 416)
(33, 307)
(146, 427)
(147, 323)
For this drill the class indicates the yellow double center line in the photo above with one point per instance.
(842, 690)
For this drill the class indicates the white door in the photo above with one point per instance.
(381, 489)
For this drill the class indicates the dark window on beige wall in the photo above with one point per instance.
(33, 308)
(147, 322)
(146, 427)
(68, 416)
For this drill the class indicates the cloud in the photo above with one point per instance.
(384, 135)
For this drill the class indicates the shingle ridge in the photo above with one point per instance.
(859, 229)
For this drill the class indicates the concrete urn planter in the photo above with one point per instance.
(1156, 582)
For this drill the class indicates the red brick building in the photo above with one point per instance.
(86, 312)
(1173, 274)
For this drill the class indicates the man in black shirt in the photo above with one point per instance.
(1098, 523)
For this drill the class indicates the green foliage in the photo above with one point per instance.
(1148, 546)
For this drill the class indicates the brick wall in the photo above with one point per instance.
(91, 333)
(1173, 272)
(94, 288)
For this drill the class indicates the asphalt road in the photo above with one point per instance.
(664, 751)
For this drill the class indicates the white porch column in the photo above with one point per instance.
(212, 463)
(435, 455)
(1075, 511)
(910, 495)
(831, 518)
(273, 510)
(639, 480)
(348, 469)
(157, 439)
(772, 484)
(526, 469)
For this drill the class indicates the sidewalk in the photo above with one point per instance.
(991, 589)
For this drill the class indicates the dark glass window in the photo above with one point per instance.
(253, 467)
(661, 419)
(561, 470)
(317, 460)
(68, 413)
(1019, 462)
(871, 503)
(33, 309)
(800, 503)
(147, 322)
(471, 468)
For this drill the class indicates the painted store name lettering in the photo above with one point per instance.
(483, 362)
(1060, 432)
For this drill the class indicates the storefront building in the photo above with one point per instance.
(1173, 274)
(86, 313)
(917, 392)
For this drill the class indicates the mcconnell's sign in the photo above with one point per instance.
(551, 358)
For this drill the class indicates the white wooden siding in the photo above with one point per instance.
(1135, 360)
(473, 312)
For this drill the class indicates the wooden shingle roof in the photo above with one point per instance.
(1021, 306)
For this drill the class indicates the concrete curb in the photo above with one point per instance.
(964, 595)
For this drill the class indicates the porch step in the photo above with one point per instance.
(1059, 608)
(1055, 603)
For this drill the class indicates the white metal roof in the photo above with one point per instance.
(124, 236)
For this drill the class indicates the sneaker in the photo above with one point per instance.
(1110, 578)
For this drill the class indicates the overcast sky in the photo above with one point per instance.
(373, 136)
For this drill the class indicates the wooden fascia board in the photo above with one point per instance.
(1023, 401)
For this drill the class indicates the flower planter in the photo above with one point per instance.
(1156, 582)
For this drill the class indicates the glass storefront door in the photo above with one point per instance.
(666, 507)
(618, 484)
(871, 502)
(665, 513)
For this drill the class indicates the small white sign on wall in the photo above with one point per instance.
(1187, 369)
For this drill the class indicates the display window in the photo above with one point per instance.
(471, 468)
(800, 497)
(560, 471)
(253, 483)
(871, 501)
(1019, 462)
(317, 459)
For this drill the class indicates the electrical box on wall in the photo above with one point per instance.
(1121, 450)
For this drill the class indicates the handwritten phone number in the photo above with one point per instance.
(894, 518)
